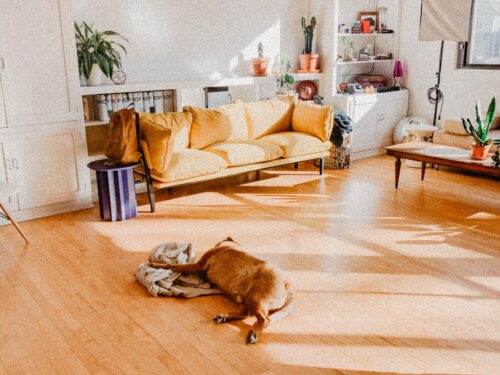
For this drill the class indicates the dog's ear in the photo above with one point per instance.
(229, 239)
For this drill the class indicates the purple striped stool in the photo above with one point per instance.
(116, 188)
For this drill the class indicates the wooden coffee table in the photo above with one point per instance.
(432, 153)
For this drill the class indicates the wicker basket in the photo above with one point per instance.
(340, 157)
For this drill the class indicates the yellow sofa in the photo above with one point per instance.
(202, 144)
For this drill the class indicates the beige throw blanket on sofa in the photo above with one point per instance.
(167, 282)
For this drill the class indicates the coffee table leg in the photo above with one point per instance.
(398, 169)
(424, 166)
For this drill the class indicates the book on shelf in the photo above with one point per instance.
(109, 106)
(116, 102)
(158, 101)
(168, 101)
(146, 97)
(127, 100)
(102, 108)
(138, 101)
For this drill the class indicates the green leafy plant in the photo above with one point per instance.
(96, 47)
(480, 134)
(260, 49)
(308, 34)
(284, 79)
(347, 42)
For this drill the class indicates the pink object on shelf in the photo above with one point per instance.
(397, 73)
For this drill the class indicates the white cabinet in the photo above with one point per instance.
(39, 77)
(47, 168)
(374, 119)
(7, 172)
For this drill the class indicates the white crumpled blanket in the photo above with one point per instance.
(167, 282)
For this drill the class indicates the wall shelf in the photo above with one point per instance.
(176, 85)
(360, 35)
(96, 123)
(363, 62)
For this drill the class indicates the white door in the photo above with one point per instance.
(390, 112)
(40, 74)
(364, 126)
(7, 172)
(47, 167)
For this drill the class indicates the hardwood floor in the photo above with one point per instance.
(389, 281)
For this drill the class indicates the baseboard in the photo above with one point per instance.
(367, 153)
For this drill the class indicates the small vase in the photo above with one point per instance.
(96, 76)
(314, 62)
(348, 54)
(304, 62)
(260, 66)
(480, 152)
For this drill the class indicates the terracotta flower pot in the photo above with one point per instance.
(479, 152)
(314, 62)
(260, 66)
(304, 62)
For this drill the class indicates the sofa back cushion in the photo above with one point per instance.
(178, 122)
(160, 146)
(268, 117)
(313, 119)
(224, 123)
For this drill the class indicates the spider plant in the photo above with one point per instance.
(96, 47)
(480, 134)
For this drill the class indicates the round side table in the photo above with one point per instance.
(116, 189)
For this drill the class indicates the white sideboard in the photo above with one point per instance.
(374, 119)
(42, 139)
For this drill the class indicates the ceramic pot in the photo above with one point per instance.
(96, 76)
(348, 54)
(260, 66)
(313, 62)
(480, 152)
(304, 62)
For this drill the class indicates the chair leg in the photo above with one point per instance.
(151, 194)
(14, 223)
(321, 166)
(296, 165)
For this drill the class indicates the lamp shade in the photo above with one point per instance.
(445, 20)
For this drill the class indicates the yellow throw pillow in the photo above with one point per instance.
(237, 120)
(268, 117)
(313, 119)
(178, 122)
(160, 146)
(209, 126)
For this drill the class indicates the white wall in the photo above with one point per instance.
(461, 87)
(192, 39)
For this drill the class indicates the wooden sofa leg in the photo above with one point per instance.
(321, 166)
(296, 165)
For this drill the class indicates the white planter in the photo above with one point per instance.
(96, 77)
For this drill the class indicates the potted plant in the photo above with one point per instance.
(284, 79)
(98, 56)
(482, 142)
(348, 49)
(308, 61)
(260, 64)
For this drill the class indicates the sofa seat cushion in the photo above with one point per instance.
(191, 163)
(268, 117)
(296, 144)
(178, 122)
(313, 119)
(237, 153)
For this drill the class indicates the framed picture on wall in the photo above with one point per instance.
(373, 19)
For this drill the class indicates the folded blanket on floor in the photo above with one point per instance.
(167, 282)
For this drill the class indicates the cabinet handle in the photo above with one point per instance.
(14, 163)
(9, 164)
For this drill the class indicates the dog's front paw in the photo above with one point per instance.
(251, 337)
(219, 319)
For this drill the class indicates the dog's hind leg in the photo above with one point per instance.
(261, 324)
(182, 268)
(227, 317)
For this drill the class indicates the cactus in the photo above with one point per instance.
(480, 134)
(308, 34)
(260, 48)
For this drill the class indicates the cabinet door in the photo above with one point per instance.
(365, 126)
(40, 75)
(389, 114)
(7, 172)
(47, 167)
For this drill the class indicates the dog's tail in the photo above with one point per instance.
(287, 307)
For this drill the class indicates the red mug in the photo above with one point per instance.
(365, 26)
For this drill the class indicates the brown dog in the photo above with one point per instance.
(257, 285)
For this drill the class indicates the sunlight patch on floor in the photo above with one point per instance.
(492, 282)
(483, 216)
(287, 179)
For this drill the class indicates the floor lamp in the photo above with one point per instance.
(443, 20)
